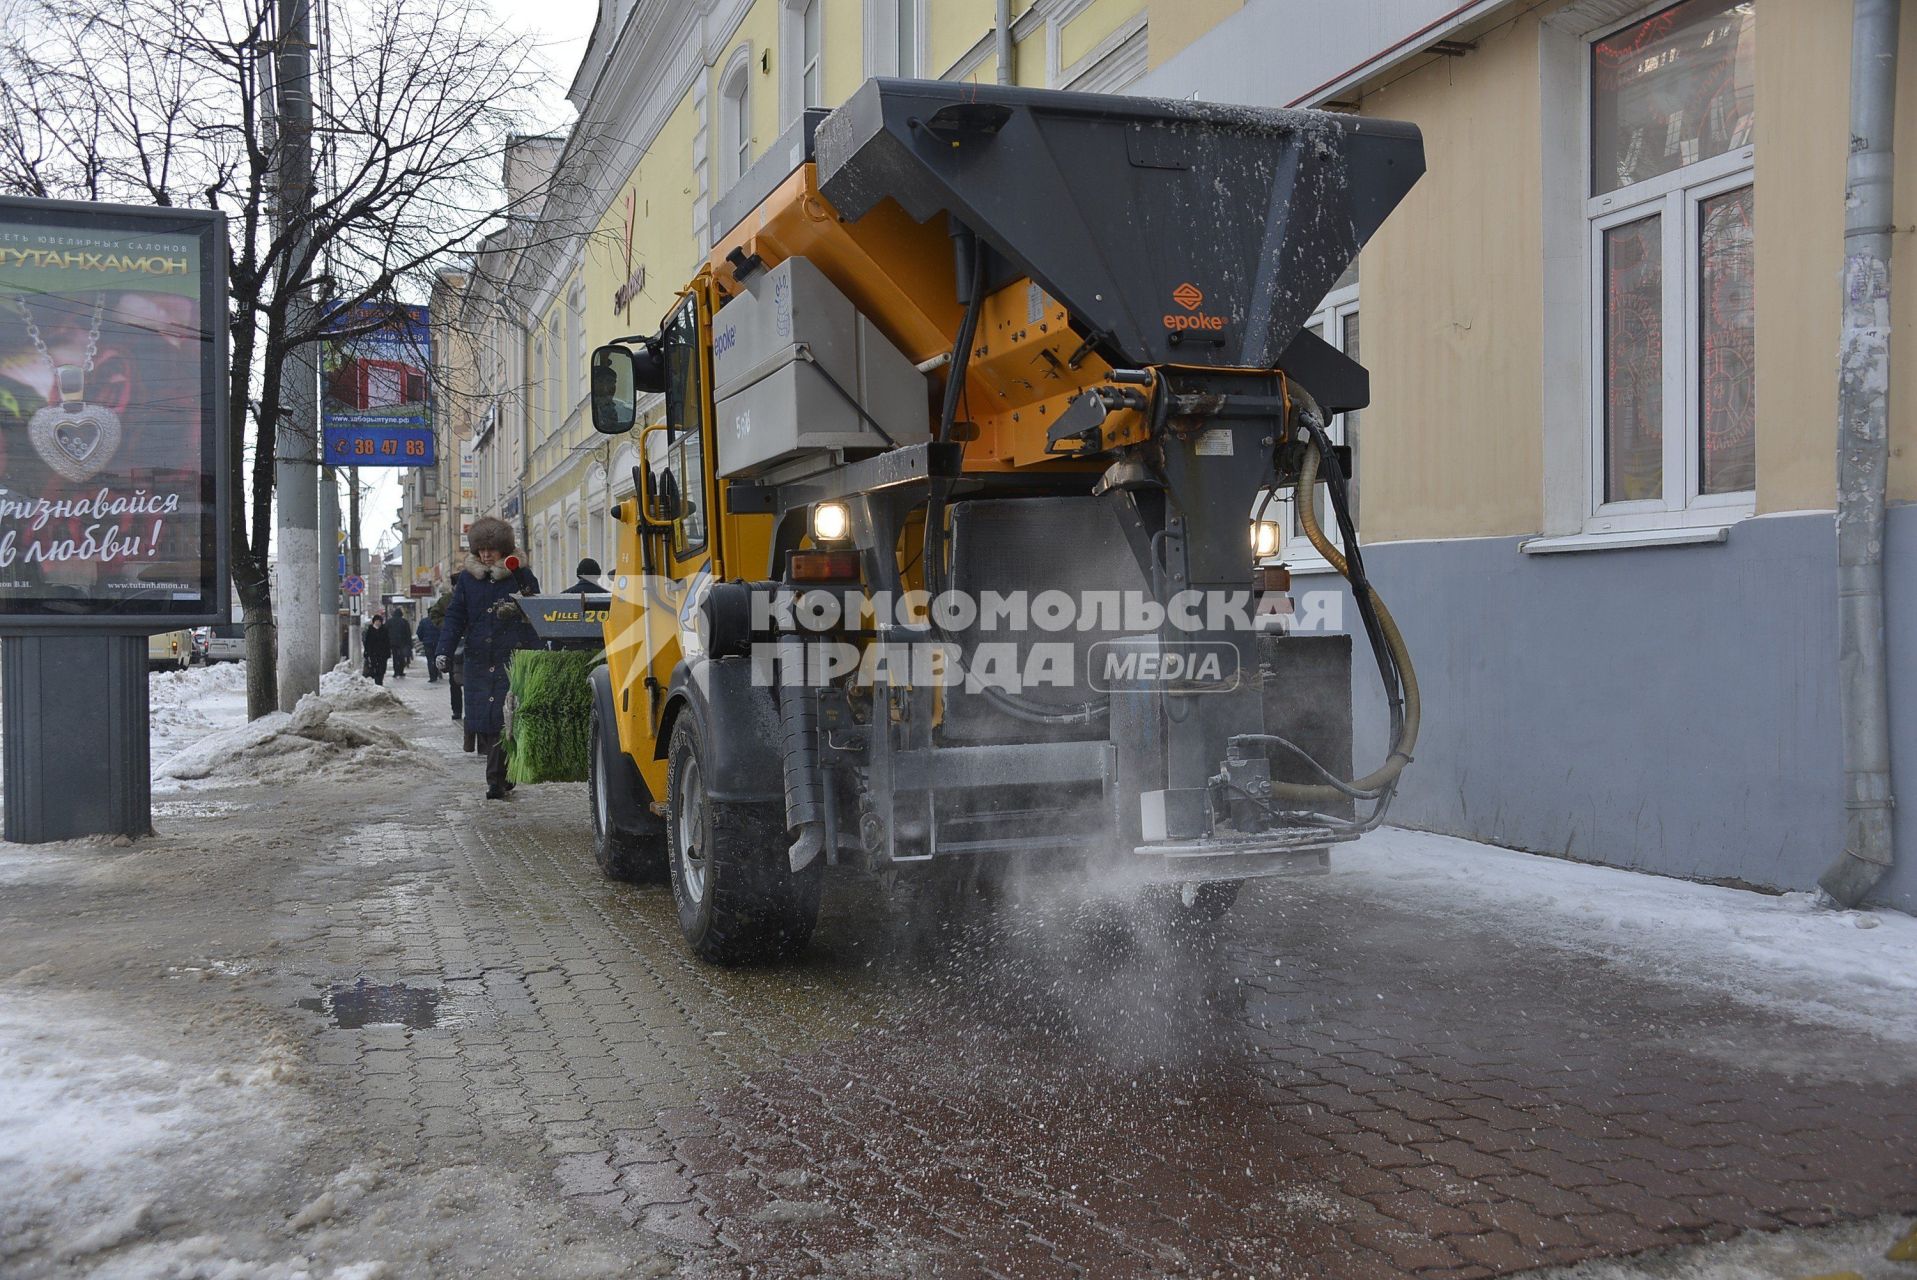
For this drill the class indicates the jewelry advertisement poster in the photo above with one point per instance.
(108, 387)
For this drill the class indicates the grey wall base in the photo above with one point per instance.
(75, 720)
(1670, 709)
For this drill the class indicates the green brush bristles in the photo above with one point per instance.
(552, 713)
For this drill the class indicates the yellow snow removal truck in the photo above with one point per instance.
(938, 555)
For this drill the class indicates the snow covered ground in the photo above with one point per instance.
(1855, 970)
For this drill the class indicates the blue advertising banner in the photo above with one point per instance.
(380, 447)
(376, 402)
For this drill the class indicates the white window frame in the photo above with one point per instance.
(883, 41)
(537, 397)
(576, 345)
(733, 143)
(555, 381)
(911, 61)
(1295, 550)
(1675, 198)
(812, 53)
(801, 33)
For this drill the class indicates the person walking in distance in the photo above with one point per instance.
(377, 644)
(486, 615)
(455, 670)
(400, 631)
(588, 584)
(428, 633)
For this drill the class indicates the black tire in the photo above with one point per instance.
(628, 839)
(738, 898)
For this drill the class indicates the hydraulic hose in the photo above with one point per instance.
(969, 260)
(1370, 603)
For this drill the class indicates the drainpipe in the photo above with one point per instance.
(1002, 37)
(1863, 456)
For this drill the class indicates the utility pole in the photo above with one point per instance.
(353, 565)
(329, 563)
(296, 434)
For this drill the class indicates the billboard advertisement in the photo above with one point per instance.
(112, 416)
(376, 392)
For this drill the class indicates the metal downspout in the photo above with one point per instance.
(1863, 456)
(1002, 38)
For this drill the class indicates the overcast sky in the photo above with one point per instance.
(560, 28)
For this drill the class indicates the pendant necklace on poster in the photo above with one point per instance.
(73, 437)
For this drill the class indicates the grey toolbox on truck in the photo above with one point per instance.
(793, 365)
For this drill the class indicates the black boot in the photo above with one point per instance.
(495, 792)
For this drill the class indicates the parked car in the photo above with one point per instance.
(226, 642)
(169, 651)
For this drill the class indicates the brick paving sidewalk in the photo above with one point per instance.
(1329, 1089)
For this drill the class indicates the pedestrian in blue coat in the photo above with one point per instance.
(486, 616)
(428, 633)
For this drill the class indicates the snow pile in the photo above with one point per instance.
(348, 690)
(1850, 969)
(184, 705)
(181, 688)
(311, 742)
(91, 1135)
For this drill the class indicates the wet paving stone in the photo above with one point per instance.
(1324, 1088)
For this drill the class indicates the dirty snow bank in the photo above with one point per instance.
(187, 705)
(310, 742)
(1850, 969)
(92, 1133)
(348, 690)
(1855, 1248)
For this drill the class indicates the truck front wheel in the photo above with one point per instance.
(628, 840)
(739, 901)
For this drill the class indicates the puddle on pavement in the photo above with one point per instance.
(366, 1004)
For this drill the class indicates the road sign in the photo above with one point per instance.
(369, 446)
(355, 585)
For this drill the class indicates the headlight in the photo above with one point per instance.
(1265, 538)
(830, 522)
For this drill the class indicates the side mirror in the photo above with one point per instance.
(613, 383)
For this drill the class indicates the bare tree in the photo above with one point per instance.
(170, 102)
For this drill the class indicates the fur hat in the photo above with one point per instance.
(490, 534)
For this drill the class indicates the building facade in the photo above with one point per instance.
(1597, 472)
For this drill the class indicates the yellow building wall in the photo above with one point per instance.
(1174, 24)
(1803, 112)
(843, 35)
(1450, 295)
(1028, 65)
(952, 27)
(760, 29)
(1090, 25)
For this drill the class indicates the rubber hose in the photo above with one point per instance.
(1400, 756)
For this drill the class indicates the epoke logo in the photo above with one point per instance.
(1191, 297)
